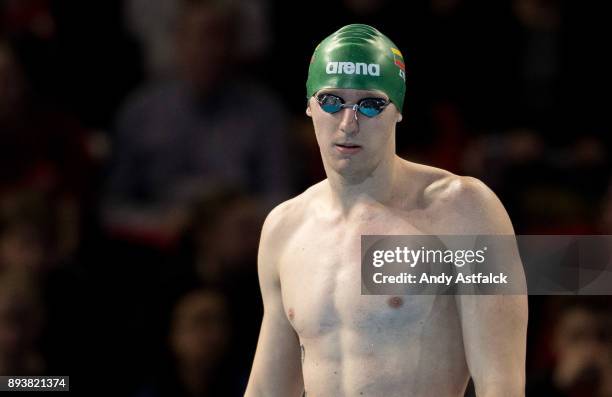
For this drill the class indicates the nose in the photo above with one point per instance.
(349, 124)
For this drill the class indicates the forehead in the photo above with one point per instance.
(350, 94)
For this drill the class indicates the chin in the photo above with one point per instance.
(352, 170)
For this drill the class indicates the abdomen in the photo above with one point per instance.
(377, 352)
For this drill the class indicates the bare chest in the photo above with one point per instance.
(320, 272)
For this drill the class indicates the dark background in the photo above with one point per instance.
(143, 142)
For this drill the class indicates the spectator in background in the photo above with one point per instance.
(199, 338)
(220, 248)
(35, 277)
(41, 150)
(183, 137)
(27, 235)
(225, 232)
(581, 346)
(21, 318)
(549, 190)
(154, 23)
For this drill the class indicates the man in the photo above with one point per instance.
(319, 336)
(582, 349)
(179, 139)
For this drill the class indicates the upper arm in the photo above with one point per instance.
(494, 327)
(276, 368)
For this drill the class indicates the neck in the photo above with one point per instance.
(346, 191)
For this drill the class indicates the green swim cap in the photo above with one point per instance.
(358, 57)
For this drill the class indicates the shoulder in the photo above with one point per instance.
(280, 225)
(288, 216)
(279, 219)
(467, 205)
(457, 190)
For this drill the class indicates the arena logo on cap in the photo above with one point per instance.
(369, 69)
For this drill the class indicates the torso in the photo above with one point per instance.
(360, 345)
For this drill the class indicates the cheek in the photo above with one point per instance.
(376, 133)
(323, 140)
(324, 127)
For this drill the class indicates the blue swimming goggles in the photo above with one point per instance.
(369, 107)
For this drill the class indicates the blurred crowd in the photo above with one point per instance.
(143, 142)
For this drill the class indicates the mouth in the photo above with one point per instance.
(347, 148)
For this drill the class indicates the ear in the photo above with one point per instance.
(399, 117)
(308, 111)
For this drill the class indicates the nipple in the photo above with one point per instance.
(395, 302)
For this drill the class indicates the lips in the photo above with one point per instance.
(347, 148)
